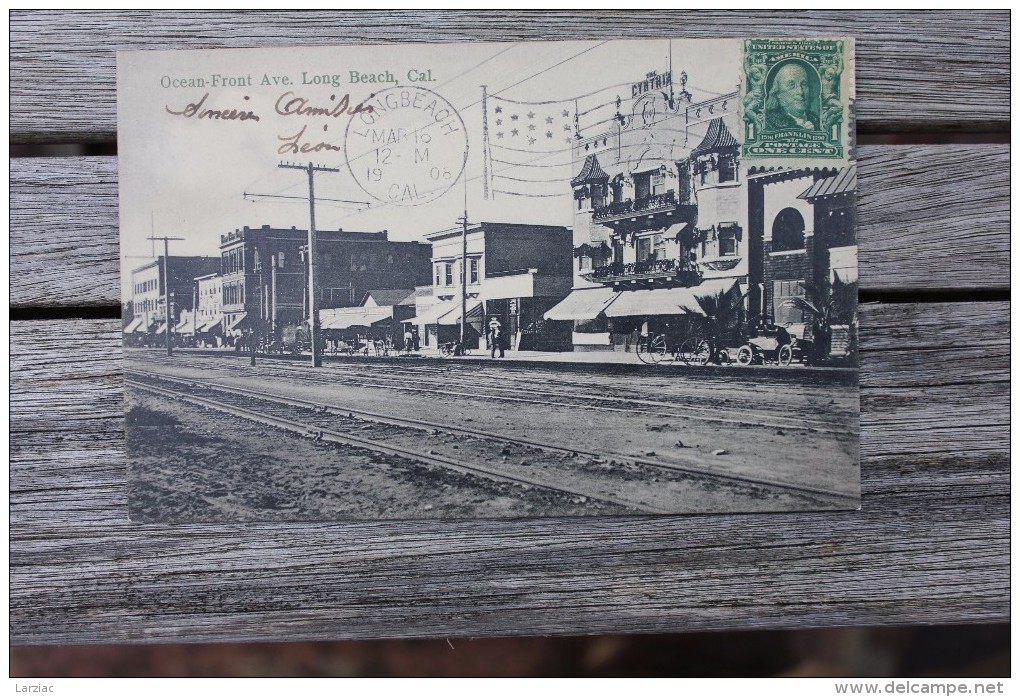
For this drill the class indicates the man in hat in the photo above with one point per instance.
(496, 337)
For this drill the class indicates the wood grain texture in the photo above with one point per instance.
(932, 217)
(931, 543)
(915, 70)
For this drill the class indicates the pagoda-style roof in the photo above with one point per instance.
(591, 173)
(718, 138)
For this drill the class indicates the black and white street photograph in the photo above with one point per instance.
(491, 281)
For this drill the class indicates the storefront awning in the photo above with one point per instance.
(583, 304)
(186, 325)
(674, 230)
(452, 318)
(431, 315)
(209, 325)
(162, 328)
(715, 287)
(347, 317)
(659, 301)
(135, 326)
(238, 322)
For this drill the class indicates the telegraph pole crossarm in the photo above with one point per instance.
(166, 288)
(313, 253)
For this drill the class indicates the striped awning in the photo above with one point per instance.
(717, 138)
(582, 304)
(842, 182)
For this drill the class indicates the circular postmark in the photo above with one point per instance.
(410, 149)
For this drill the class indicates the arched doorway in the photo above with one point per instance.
(788, 231)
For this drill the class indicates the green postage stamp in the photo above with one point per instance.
(796, 96)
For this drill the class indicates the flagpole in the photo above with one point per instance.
(485, 149)
(463, 273)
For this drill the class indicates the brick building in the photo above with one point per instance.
(264, 273)
(807, 222)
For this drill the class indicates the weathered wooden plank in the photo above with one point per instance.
(931, 543)
(931, 217)
(915, 70)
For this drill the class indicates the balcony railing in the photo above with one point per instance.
(646, 204)
(683, 269)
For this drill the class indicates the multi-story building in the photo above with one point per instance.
(807, 221)
(149, 291)
(515, 273)
(661, 218)
(264, 273)
(209, 307)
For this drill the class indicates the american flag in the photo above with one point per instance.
(527, 146)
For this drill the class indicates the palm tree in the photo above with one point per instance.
(827, 306)
(724, 312)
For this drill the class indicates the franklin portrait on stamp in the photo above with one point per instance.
(792, 101)
(796, 96)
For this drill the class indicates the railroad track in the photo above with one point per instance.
(436, 460)
(603, 402)
(688, 469)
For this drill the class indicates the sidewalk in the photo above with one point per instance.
(592, 357)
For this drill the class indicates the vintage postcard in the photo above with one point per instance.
(490, 280)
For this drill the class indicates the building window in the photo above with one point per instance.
(684, 176)
(642, 185)
(449, 273)
(439, 274)
(784, 307)
(584, 263)
(474, 270)
(728, 240)
(788, 231)
(617, 186)
(728, 168)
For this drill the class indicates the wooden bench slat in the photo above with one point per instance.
(931, 543)
(915, 70)
(932, 217)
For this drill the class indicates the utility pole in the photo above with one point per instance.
(463, 278)
(166, 287)
(313, 254)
